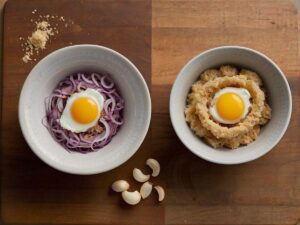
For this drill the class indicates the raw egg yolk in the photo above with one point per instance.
(230, 106)
(84, 110)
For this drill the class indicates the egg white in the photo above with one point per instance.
(242, 92)
(66, 119)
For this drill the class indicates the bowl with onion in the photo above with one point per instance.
(84, 109)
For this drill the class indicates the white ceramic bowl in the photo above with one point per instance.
(43, 79)
(279, 98)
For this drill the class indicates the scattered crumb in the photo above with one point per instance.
(26, 58)
(38, 39)
(102, 114)
(87, 136)
(98, 128)
(46, 26)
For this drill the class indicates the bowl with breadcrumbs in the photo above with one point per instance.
(230, 105)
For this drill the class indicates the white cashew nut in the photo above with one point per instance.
(154, 165)
(131, 198)
(161, 193)
(120, 186)
(146, 189)
(139, 176)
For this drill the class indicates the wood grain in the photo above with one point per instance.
(268, 26)
(32, 192)
(266, 191)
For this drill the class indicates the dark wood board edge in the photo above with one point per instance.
(1, 94)
(147, 79)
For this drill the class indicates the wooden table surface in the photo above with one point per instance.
(159, 37)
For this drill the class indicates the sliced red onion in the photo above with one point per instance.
(60, 105)
(81, 86)
(114, 119)
(94, 79)
(78, 76)
(108, 85)
(55, 103)
(106, 104)
(107, 130)
(86, 80)
(73, 81)
(59, 96)
(108, 92)
(67, 90)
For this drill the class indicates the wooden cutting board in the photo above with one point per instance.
(159, 37)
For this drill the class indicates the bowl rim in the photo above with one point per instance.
(176, 84)
(61, 167)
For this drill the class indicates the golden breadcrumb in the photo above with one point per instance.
(228, 71)
(219, 135)
(251, 76)
(210, 74)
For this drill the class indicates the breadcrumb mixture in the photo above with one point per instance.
(38, 39)
(45, 26)
(219, 135)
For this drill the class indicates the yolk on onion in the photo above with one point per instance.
(84, 110)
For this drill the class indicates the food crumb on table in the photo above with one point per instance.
(45, 27)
